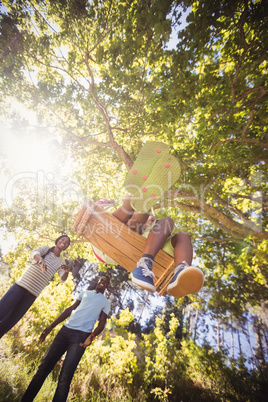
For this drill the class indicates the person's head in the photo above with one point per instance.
(63, 242)
(102, 284)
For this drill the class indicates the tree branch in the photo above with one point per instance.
(244, 141)
(218, 218)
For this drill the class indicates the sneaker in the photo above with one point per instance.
(142, 275)
(186, 280)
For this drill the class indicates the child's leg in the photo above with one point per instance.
(183, 249)
(127, 215)
(137, 221)
(142, 275)
(125, 211)
(158, 236)
(187, 279)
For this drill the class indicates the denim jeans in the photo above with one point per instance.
(13, 305)
(66, 340)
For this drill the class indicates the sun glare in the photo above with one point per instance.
(27, 153)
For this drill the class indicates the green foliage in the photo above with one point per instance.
(100, 81)
(122, 367)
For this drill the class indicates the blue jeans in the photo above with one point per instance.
(66, 340)
(13, 305)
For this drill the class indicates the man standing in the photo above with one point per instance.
(75, 335)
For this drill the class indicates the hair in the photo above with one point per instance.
(50, 250)
(105, 276)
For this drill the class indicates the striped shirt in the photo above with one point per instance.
(33, 279)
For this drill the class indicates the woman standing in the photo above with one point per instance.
(19, 298)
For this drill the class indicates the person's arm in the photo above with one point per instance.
(97, 330)
(37, 257)
(65, 314)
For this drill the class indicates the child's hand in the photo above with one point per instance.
(149, 221)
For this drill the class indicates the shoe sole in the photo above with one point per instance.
(142, 284)
(189, 281)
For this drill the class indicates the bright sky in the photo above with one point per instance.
(24, 153)
(32, 156)
(27, 153)
(21, 156)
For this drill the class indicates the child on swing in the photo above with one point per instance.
(187, 279)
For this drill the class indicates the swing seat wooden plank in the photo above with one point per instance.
(119, 242)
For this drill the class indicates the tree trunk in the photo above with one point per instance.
(239, 343)
(218, 335)
(252, 357)
(196, 321)
(232, 342)
(260, 351)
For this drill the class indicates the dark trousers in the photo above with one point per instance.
(66, 340)
(13, 305)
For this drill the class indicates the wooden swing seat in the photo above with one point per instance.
(119, 242)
